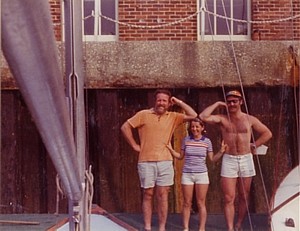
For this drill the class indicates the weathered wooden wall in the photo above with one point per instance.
(27, 173)
(28, 176)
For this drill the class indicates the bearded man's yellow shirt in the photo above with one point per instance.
(155, 132)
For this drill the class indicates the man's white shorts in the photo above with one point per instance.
(153, 173)
(238, 166)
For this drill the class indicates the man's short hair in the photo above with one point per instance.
(163, 91)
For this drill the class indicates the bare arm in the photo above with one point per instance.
(189, 111)
(215, 157)
(206, 114)
(174, 153)
(264, 132)
(126, 129)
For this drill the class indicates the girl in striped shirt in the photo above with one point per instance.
(194, 149)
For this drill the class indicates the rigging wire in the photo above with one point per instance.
(223, 88)
(217, 60)
(293, 63)
(204, 9)
(296, 80)
(284, 95)
(59, 189)
(89, 178)
(233, 49)
(89, 193)
(0, 114)
(245, 103)
(224, 92)
(295, 83)
(246, 107)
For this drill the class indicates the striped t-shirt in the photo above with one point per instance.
(195, 154)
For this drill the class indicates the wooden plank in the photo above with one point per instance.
(179, 134)
(130, 102)
(30, 162)
(19, 222)
(105, 145)
(8, 162)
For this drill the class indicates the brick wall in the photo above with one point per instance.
(154, 13)
(55, 9)
(158, 12)
(272, 10)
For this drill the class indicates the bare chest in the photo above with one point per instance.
(238, 126)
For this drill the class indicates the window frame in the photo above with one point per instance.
(97, 23)
(93, 38)
(201, 24)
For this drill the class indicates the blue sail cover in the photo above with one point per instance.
(28, 44)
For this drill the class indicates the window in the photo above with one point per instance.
(213, 27)
(95, 27)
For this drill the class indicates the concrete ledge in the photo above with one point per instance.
(177, 64)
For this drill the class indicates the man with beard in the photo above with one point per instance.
(237, 163)
(155, 163)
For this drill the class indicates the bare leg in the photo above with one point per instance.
(201, 191)
(244, 189)
(147, 207)
(187, 191)
(228, 186)
(162, 193)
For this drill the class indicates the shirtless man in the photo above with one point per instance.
(237, 162)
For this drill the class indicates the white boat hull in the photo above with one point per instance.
(286, 203)
(98, 222)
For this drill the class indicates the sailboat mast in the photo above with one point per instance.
(75, 95)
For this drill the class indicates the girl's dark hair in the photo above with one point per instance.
(200, 122)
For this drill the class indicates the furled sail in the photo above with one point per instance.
(29, 47)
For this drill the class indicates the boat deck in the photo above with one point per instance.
(215, 222)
